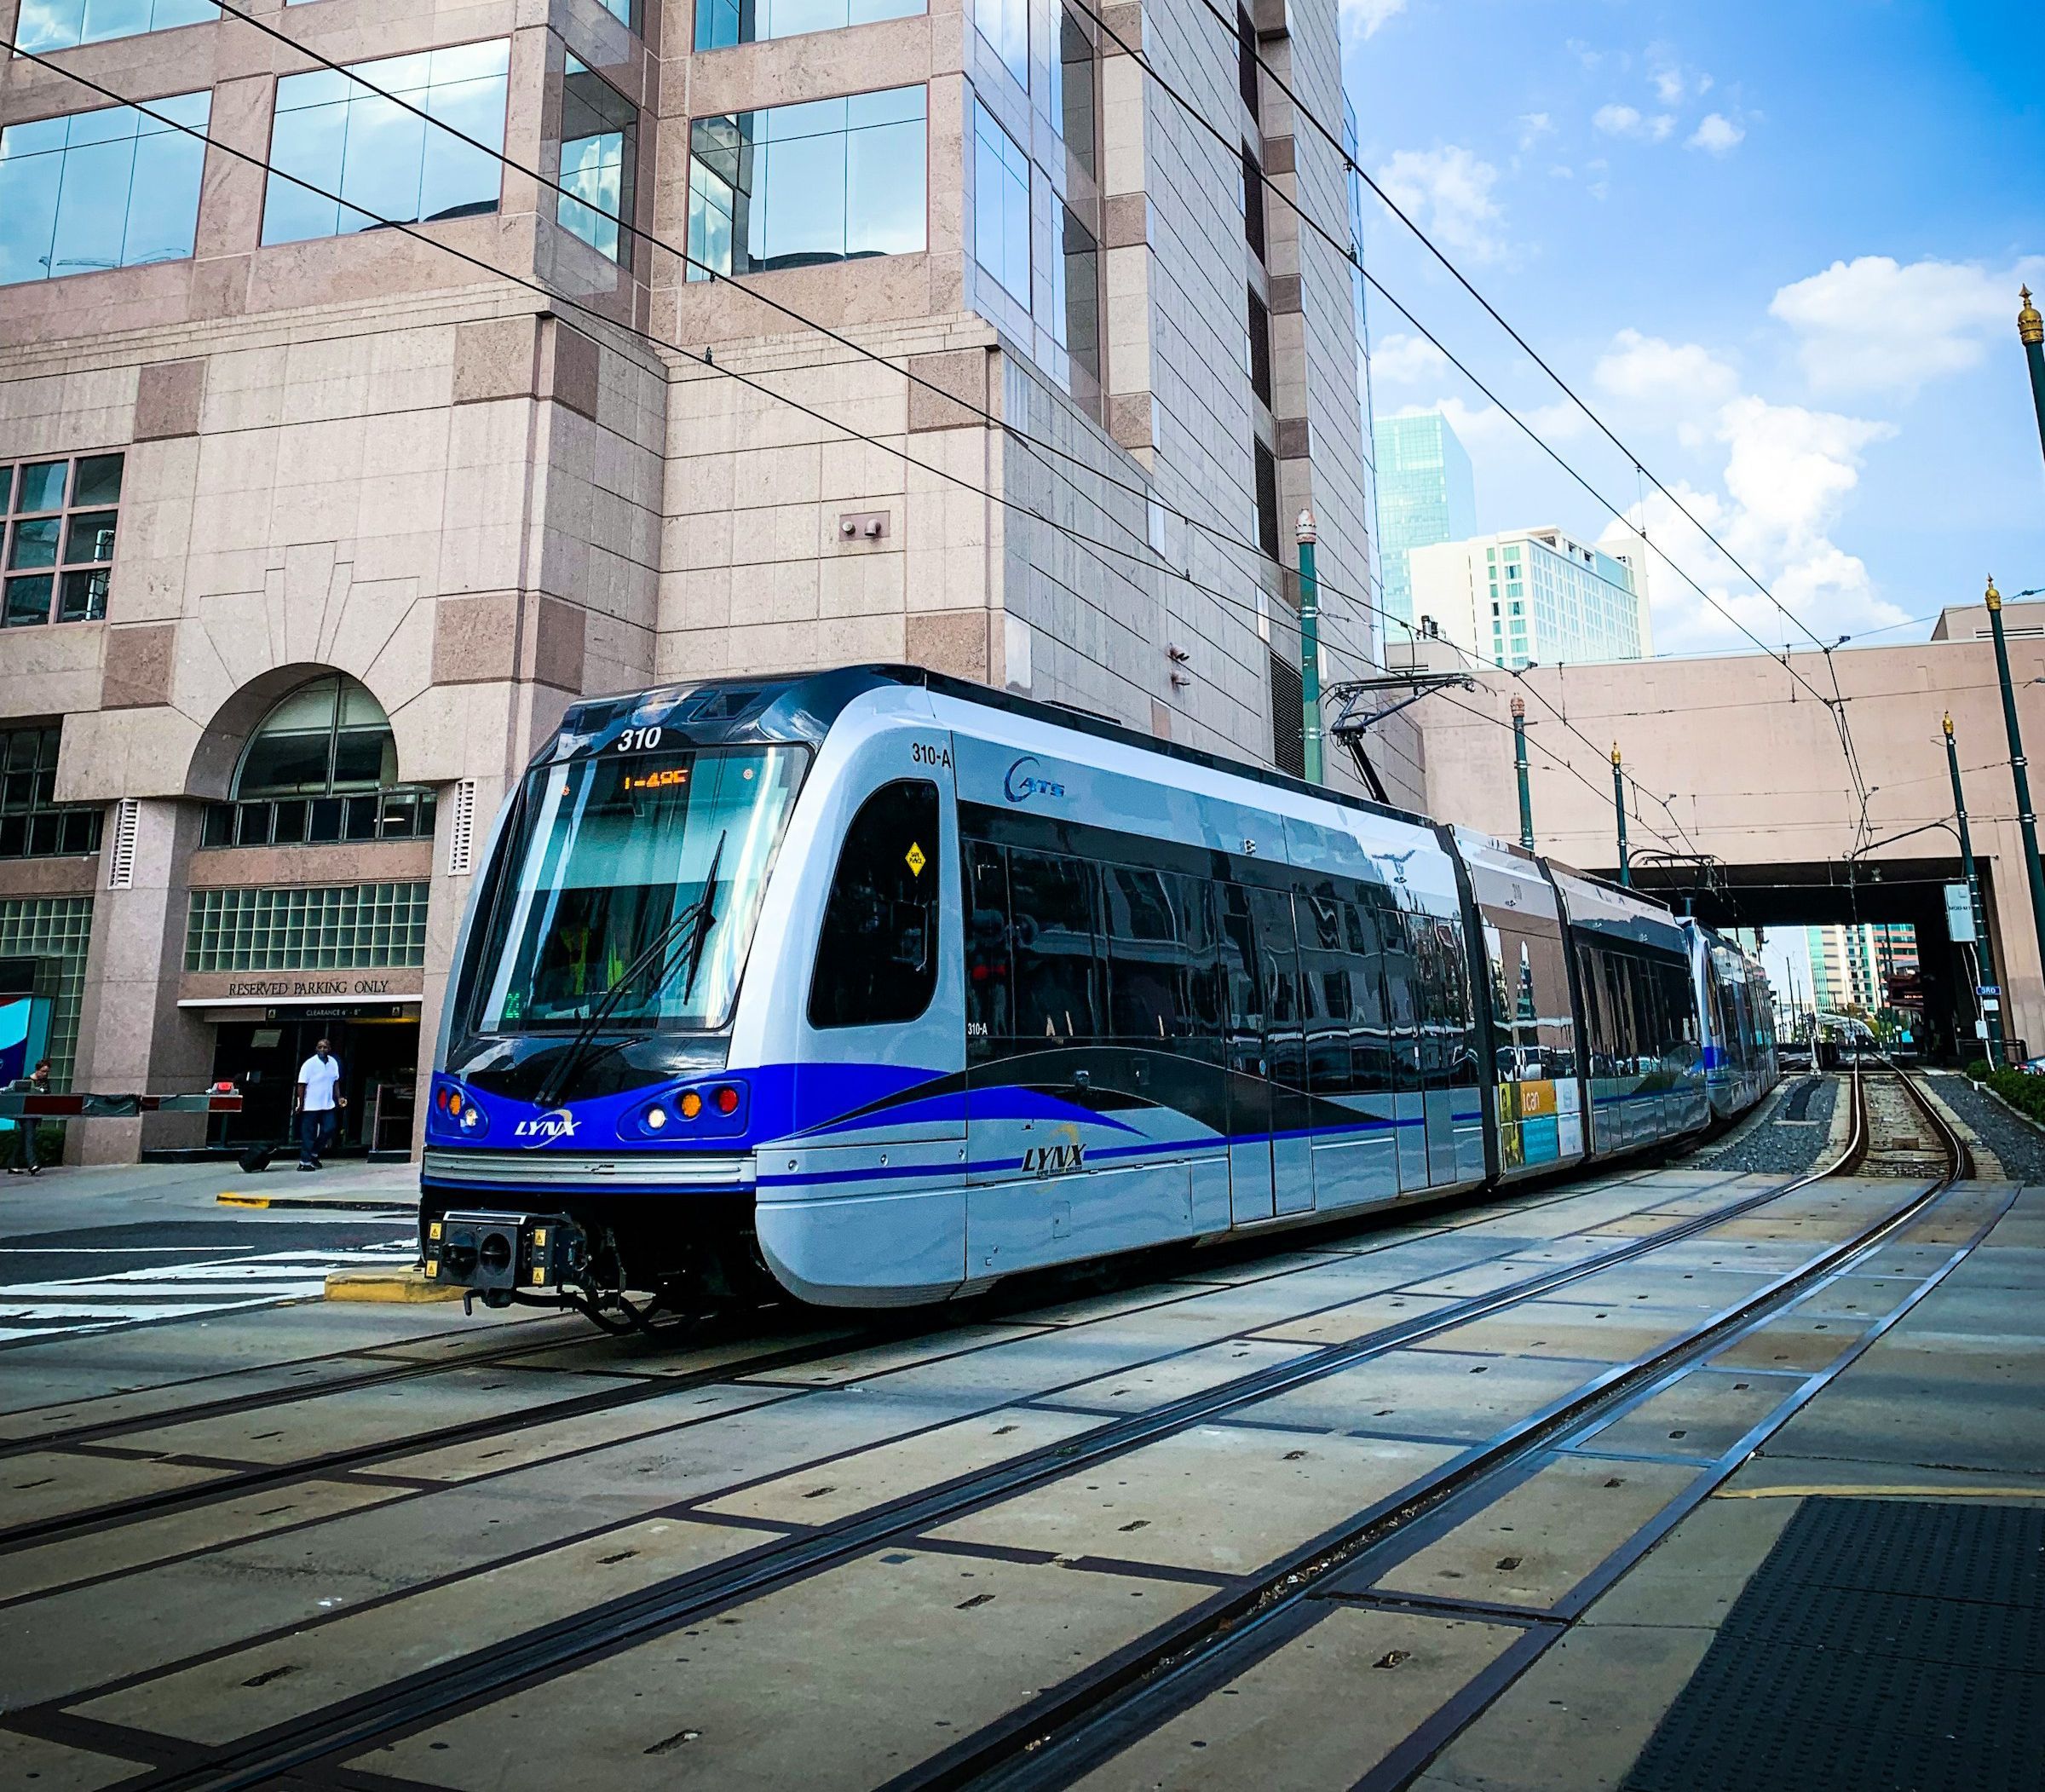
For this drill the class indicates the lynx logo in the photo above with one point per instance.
(1056, 1160)
(546, 1129)
(1022, 783)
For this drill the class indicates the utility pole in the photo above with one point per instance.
(1626, 868)
(1309, 647)
(2030, 332)
(1519, 767)
(1983, 949)
(2027, 820)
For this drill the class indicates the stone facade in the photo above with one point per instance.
(483, 468)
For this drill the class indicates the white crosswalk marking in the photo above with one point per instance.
(30, 1311)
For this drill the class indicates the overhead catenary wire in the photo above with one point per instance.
(1044, 451)
(1151, 557)
(1836, 701)
(1148, 557)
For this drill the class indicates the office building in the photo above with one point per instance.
(1855, 968)
(1426, 495)
(1531, 596)
(340, 451)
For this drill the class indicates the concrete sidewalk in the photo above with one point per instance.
(63, 1198)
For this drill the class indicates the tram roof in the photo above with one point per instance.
(802, 707)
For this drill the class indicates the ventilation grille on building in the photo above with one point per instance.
(120, 858)
(461, 830)
(1288, 719)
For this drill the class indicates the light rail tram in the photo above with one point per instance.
(873, 987)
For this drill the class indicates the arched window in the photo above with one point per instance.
(321, 767)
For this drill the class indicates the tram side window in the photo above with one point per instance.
(1403, 995)
(877, 954)
(1458, 1017)
(987, 967)
(1052, 902)
(1348, 1052)
(1161, 955)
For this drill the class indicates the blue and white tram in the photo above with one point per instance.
(876, 986)
(1733, 999)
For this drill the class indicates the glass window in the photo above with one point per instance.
(721, 23)
(1076, 308)
(41, 549)
(793, 185)
(328, 737)
(877, 952)
(1252, 203)
(47, 25)
(1160, 955)
(633, 881)
(387, 166)
(1073, 99)
(103, 189)
(1006, 25)
(1000, 204)
(599, 162)
(986, 957)
(1260, 349)
(34, 824)
(1246, 60)
(1267, 501)
(1051, 901)
(337, 927)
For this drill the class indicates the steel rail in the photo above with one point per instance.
(1013, 1299)
(1206, 1648)
(544, 1653)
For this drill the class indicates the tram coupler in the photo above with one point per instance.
(496, 1255)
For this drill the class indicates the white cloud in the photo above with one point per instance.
(1362, 19)
(1448, 192)
(1533, 127)
(1628, 121)
(1873, 325)
(1669, 85)
(1788, 473)
(1717, 133)
(1647, 370)
(1404, 360)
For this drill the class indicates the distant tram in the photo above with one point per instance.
(875, 987)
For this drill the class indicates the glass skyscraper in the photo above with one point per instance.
(1426, 495)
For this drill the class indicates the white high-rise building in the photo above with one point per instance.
(1529, 596)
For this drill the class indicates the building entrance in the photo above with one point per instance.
(379, 1054)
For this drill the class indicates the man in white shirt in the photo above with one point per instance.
(318, 1102)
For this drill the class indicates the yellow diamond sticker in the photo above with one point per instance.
(916, 859)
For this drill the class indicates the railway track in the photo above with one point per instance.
(1061, 1735)
(721, 1346)
(1896, 1132)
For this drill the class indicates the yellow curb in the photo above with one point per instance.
(406, 1286)
(243, 1200)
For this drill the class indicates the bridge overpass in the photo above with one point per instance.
(1740, 768)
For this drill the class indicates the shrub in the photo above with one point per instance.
(2023, 1090)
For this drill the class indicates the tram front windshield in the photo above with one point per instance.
(604, 878)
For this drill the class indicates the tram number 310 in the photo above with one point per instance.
(638, 740)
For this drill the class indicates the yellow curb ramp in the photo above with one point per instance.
(403, 1286)
(314, 1203)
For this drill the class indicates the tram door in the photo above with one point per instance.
(1271, 1161)
(1250, 1181)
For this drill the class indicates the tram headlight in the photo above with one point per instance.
(686, 1116)
(656, 1118)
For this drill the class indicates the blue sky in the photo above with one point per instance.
(1777, 246)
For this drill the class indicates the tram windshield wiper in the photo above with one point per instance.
(665, 952)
